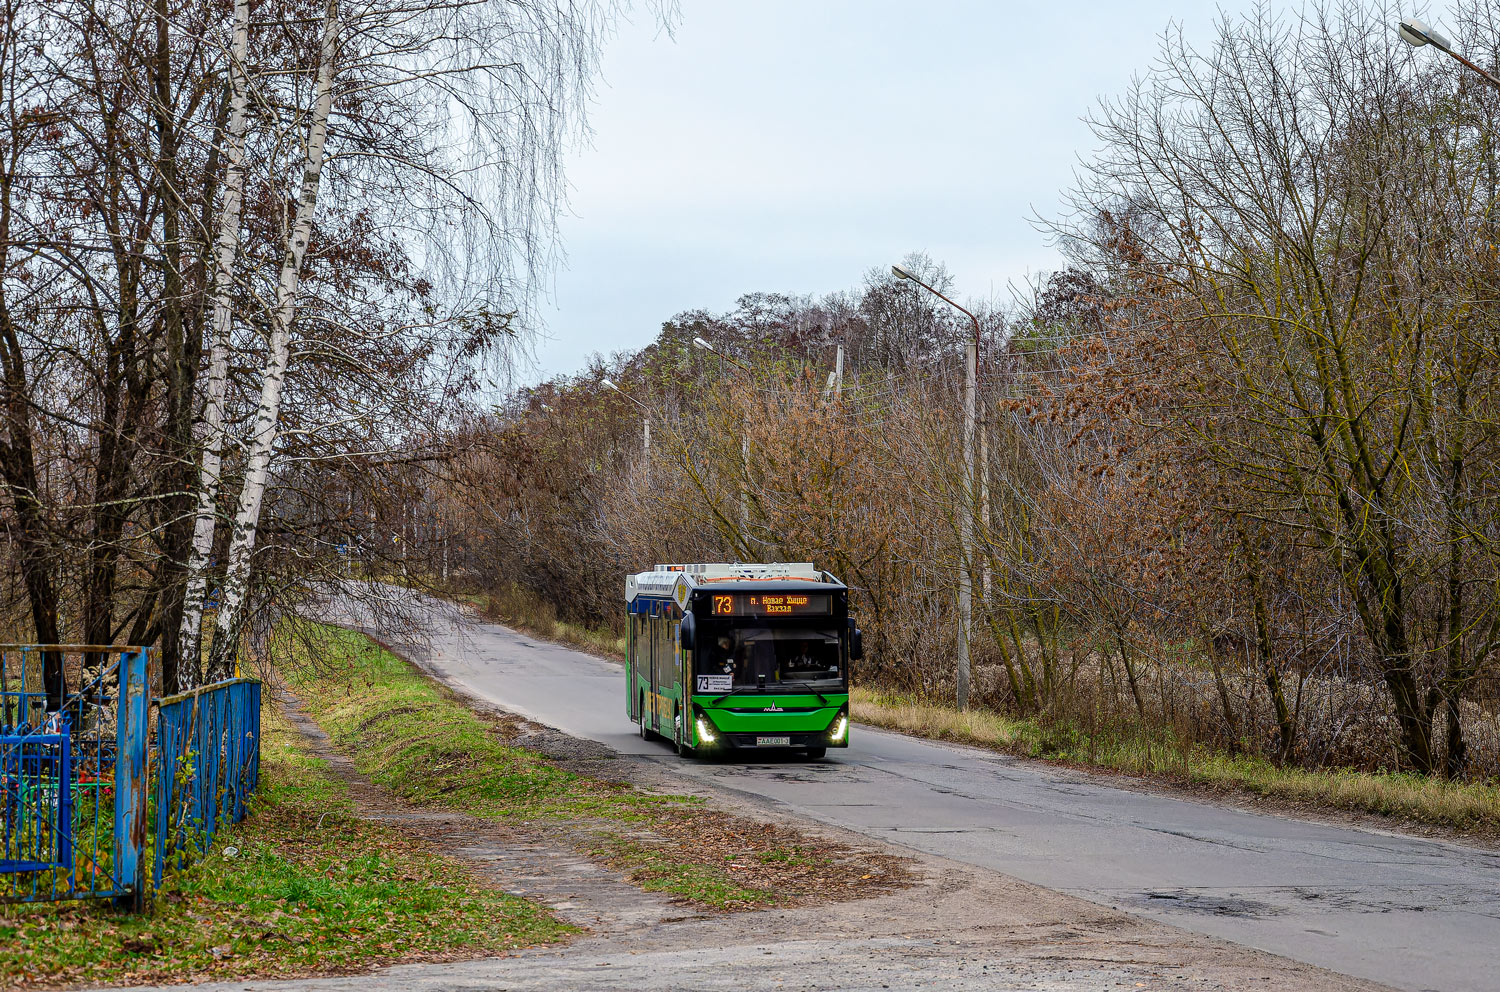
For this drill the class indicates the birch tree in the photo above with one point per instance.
(226, 243)
(273, 376)
(225, 248)
(430, 165)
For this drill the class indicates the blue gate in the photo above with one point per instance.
(73, 773)
(208, 764)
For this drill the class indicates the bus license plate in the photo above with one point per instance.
(773, 742)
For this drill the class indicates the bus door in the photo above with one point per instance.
(672, 668)
(651, 665)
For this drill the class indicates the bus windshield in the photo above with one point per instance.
(742, 657)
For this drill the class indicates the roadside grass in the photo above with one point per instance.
(302, 886)
(415, 738)
(524, 610)
(1156, 753)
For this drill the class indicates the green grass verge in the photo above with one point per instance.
(309, 888)
(410, 736)
(1464, 806)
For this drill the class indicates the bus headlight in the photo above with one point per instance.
(840, 729)
(706, 733)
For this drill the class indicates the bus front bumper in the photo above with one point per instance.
(764, 741)
(711, 733)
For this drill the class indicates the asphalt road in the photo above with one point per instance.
(1415, 914)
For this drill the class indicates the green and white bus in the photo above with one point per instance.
(728, 659)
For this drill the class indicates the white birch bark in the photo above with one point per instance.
(225, 248)
(264, 433)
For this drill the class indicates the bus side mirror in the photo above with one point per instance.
(856, 643)
(685, 633)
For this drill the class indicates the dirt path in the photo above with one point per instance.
(539, 861)
(959, 928)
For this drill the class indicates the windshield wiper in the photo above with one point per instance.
(759, 690)
(821, 698)
(732, 692)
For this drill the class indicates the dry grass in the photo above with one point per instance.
(1464, 806)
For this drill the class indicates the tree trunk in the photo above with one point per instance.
(1231, 722)
(1135, 689)
(189, 632)
(263, 436)
(181, 358)
(18, 470)
(1265, 647)
(1413, 715)
(1023, 702)
(1456, 756)
(1456, 760)
(17, 453)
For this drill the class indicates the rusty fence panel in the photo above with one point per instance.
(73, 765)
(208, 765)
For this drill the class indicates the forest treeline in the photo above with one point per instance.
(1238, 458)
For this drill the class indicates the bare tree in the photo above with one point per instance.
(1314, 193)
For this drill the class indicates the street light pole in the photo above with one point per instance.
(966, 518)
(1417, 34)
(646, 424)
(700, 343)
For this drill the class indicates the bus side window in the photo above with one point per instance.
(663, 653)
(632, 663)
(649, 632)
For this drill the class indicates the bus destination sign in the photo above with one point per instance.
(770, 604)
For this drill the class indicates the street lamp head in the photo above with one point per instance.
(607, 384)
(1417, 34)
(700, 343)
(901, 273)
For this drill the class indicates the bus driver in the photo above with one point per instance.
(722, 657)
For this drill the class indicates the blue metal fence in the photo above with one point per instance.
(208, 764)
(72, 772)
(38, 825)
(75, 762)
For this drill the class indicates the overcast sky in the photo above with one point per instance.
(790, 145)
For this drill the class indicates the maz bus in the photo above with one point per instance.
(737, 658)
